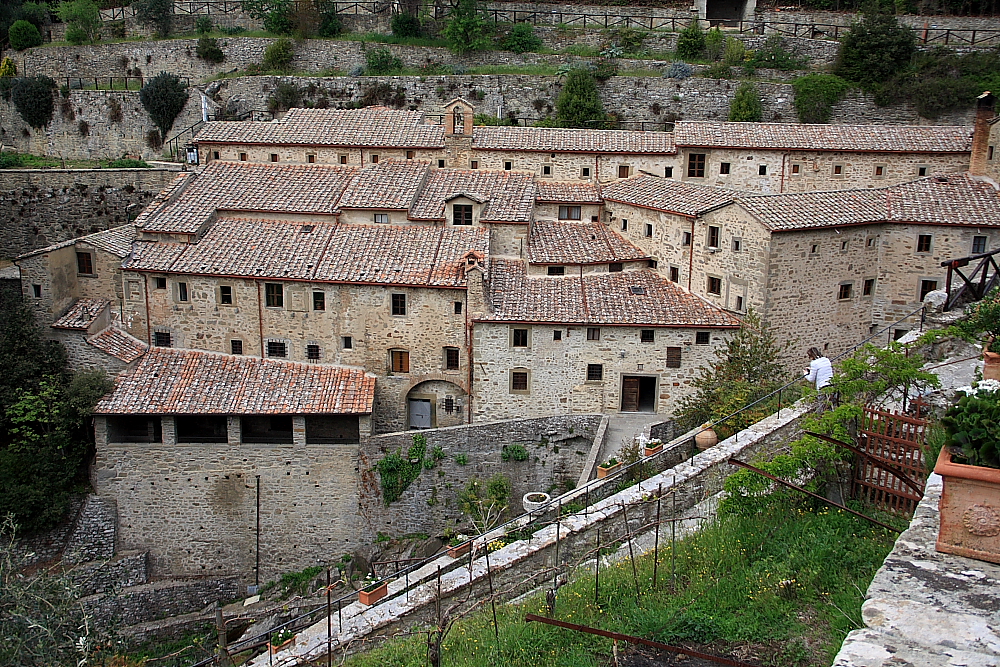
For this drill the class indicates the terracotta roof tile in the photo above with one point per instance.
(153, 255)
(509, 196)
(665, 194)
(170, 381)
(578, 243)
(562, 140)
(597, 298)
(81, 314)
(117, 343)
(570, 193)
(371, 126)
(117, 241)
(390, 184)
(791, 136)
(165, 196)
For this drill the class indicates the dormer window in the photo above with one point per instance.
(462, 214)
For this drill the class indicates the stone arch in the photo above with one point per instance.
(436, 403)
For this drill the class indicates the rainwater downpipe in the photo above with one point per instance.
(691, 254)
(256, 574)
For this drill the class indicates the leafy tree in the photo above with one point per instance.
(579, 104)
(746, 107)
(208, 50)
(405, 25)
(485, 502)
(203, 25)
(815, 95)
(381, 62)
(82, 19)
(35, 13)
(330, 24)
(278, 56)
(8, 68)
(157, 14)
(691, 41)
(164, 97)
(522, 38)
(32, 97)
(715, 43)
(277, 15)
(23, 35)
(876, 48)
(468, 29)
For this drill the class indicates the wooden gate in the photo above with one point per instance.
(890, 441)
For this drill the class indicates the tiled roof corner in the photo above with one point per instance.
(81, 314)
(579, 243)
(665, 194)
(117, 241)
(119, 344)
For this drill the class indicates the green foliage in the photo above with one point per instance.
(579, 104)
(462, 459)
(973, 424)
(276, 15)
(156, 14)
(32, 97)
(203, 25)
(486, 119)
(815, 95)
(209, 51)
(522, 38)
(718, 70)
(746, 106)
(396, 473)
(382, 62)
(23, 35)
(984, 318)
(8, 68)
(627, 40)
(298, 582)
(875, 49)
(127, 163)
(330, 24)
(735, 52)
(35, 13)
(715, 43)
(164, 97)
(82, 19)
(513, 453)
(691, 41)
(774, 56)
(468, 28)
(941, 81)
(10, 161)
(604, 68)
(278, 56)
(678, 70)
(405, 25)
(485, 503)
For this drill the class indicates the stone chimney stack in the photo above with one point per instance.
(475, 285)
(985, 105)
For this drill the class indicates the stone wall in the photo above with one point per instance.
(129, 569)
(93, 536)
(40, 207)
(162, 599)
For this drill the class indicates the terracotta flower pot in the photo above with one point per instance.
(652, 451)
(991, 365)
(274, 648)
(460, 550)
(970, 510)
(705, 439)
(374, 595)
(603, 472)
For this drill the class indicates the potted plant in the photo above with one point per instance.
(969, 464)
(706, 437)
(281, 640)
(373, 592)
(535, 500)
(608, 468)
(985, 318)
(653, 447)
(459, 545)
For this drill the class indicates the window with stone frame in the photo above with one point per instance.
(724, 168)
(845, 291)
(569, 213)
(162, 339)
(319, 300)
(274, 295)
(519, 381)
(236, 346)
(675, 274)
(277, 349)
(399, 361)
(647, 335)
(713, 236)
(696, 165)
(616, 267)
(399, 304)
(520, 338)
(924, 242)
(702, 337)
(978, 245)
(182, 292)
(312, 352)
(927, 286)
(451, 359)
(462, 214)
(595, 372)
(868, 287)
(347, 343)
(714, 285)
(673, 357)
(226, 295)
(593, 333)
(623, 170)
(85, 263)
(159, 283)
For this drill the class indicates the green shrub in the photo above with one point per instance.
(875, 49)
(678, 70)
(513, 453)
(10, 161)
(718, 70)
(579, 103)
(7, 68)
(397, 473)
(127, 163)
(629, 40)
(156, 14)
(734, 52)
(280, 21)
(815, 95)
(715, 43)
(35, 13)
(973, 424)
(164, 97)
(405, 25)
(774, 56)
(522, 38)
(382, 62)
(278, 56)
(203, 25)
(691, 41)
(32, 97)
(286, 96)
(209, 51)
(23, 35)
(746, 106)
(82, 19)
(604, 68)
(468, 28)
(330, 24)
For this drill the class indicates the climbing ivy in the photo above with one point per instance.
(397, 472)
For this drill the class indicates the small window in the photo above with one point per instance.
(762, 170)
(85, 263)
(637, 289)
(458, 307)
(927, 286)
(714, 285)
(243, 157)
(624, 224)
(616, 267)
(474, 164)
(989, 152)
(399, 304)
(36, 290)
(557, 270)
(814, 249)
(879, 171)
(796, 169)
(519, 338)
(647, 335)
(319, 300)
(673, 357)
(978, 245)
(713, 237)
(585, 172)
(462, 213)
(921, 171)
(724, 168)
(343, 159)
(226, 295)
(451, 358)
(519, 381)
(569, 212)
(274, 157)
(162, 339)
(845, 290)
(623, 170)
(236, 346)
(593, 333)
(160, 283)
(312, 352)
(868, 287)
(274, 295)
(701, 338)
(347, 343)
(182, 291)
(924, 243)
(686, 239)
(215, 155)
(276, 348)
(675, 274)
(668, 172)
(311, 159)
(411, 154)
(838, 170)
(507, 166)
(374, 158)
(649, 230)
(737, 244)
(739, 304)
(595, 372)
(547, 170)
(557, 334)
(381, 218)
(440, 164)
(870, 242)
(696, 165)
(843, 246)
(399, 361)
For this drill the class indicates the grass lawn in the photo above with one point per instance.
(784, 588)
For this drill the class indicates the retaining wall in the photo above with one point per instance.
(162, 599)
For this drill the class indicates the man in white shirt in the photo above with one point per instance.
(820, 369)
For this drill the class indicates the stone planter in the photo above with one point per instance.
(705, 439)
(603, 472)
(373, 595)
(535, 500)
(460, 550)
(652, 451)
(970, 510)
(991, 365)
(274, 648)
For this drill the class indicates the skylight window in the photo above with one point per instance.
(638, 289)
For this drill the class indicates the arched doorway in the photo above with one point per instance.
(435, 404)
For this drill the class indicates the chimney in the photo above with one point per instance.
(981, 133)
(475, 285)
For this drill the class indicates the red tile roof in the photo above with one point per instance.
(117, 241)
(509, 196)
(547, 191)
(579, 243)
(117, 343)
(597, 298)
(561, 140)
(168, 381)
(390, 184)
(665, 194)
(81, 314)
(371, 126)
(857, 138)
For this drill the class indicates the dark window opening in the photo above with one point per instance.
(162, 339)
(311, 159)
(569, 212)
(647, 335)
(927, 286)
(215, 155)
(686, 239)
(440, 164)
(868, 287)
(673, 357)
(36, 290)
(838, 170)
(264, 429)
(652, 263)
(243, 157)
(675, 274)
(595, 372)
(274, 296)
(182, 291)
(274, 157)
(879, 170)
(236, 346)
(696, 165)
(713, 237)
(546, 170)
(520, 338)
(347, 342)
(458, 307)
(623, 170)
(701, 337)
(724, 168)
(624, 224)
(451, 358)
(226, 295)
(845, 290)
(343, 159)
(921, 171)
(796, 168)
(201, 428)
(277, 349)
(978, 245)
(462, 214)
(399, 304)
(519, 381)
(85, 263)
(668, 172)
(899, 333)
(585, 172)
(507, 166)
(312, 352)
(616, 267)
(474, 164)
(924, 243)
(410, 155)
(332, 429)
(160, 283)
(374, 158)
(649, 230)
(739, 304)
(714, 285)
(319, 300)
(762, 170)
(135, 428)
(557, 334)
(593, 333)
(557, 270)
(737, 244)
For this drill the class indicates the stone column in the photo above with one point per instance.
(299, 431)
(169, 428)
(234, 430)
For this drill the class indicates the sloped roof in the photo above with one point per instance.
(666, 194)
(563, 140)
(578, 243)
(170, 381)
(118, 344)
(81, 314)
(390, 184)
(557, 192)
(509, 196)
(117, 241)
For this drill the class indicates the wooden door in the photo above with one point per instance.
(630, 395)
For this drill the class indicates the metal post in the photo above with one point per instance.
(631, 553)
(329, 623)
(220, 628)
(340, 618)
(656, 534)
(493, 600)
(597, 576)
(673, 538)
(555, 574)
(256, 574)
